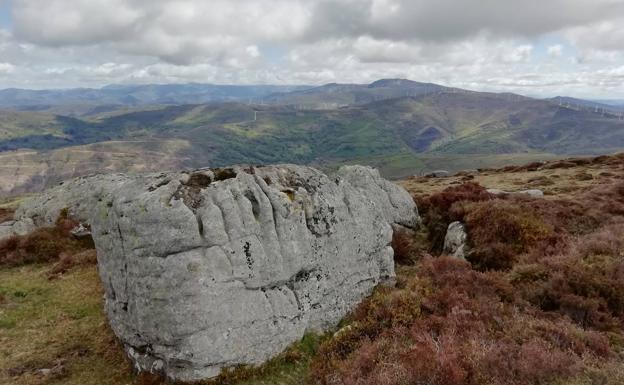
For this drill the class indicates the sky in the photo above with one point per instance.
(533, 47)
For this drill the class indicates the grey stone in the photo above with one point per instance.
(6, 229)
(455, 240)
(215, 268)
(533, 193)
(79, 196)
(80, 231)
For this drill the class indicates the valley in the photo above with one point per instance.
(400, 126)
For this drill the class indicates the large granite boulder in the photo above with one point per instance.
(216, 268)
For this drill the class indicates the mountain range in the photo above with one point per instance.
(401, 126)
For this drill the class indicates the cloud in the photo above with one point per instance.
(450, 19)
(606, 35)
(6, 68)
(555, 51)
(179, 32)
(482, 44)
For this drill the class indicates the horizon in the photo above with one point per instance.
(543, 49)
(595, 100)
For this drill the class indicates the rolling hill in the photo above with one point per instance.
(432, 127)
(80, 100)
(341, 95)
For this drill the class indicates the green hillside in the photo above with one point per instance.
(449, 129)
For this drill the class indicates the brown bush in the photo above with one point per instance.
(559, 164)
(67, 261)
(44, 244)
(437, 212)
(6, 214)
(470, 328)
(500, 230)
(583, 176)
(543, 304)
(408, 245)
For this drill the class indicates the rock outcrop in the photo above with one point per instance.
(455, 240)
(216, 268)
(533, 193)
(79, 196)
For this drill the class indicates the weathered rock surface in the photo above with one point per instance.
(533, 193)
(455, 240)
(79, 196)
(216, 268)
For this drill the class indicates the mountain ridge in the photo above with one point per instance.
(398, 125)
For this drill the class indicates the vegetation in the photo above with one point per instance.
(539, 301)
(402, 127)
(54, 331)
(46, 244)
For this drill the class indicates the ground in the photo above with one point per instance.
(447, 322)
(56, 326)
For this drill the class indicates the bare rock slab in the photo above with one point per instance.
(221, 267)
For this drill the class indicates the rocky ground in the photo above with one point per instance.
(540, 299)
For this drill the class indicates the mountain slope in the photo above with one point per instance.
(115, 95)
(449, 129)
(340, 95)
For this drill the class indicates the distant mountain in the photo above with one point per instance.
(436, 127)
(596, 106)
(132, 95)
(612, 102)
(341, 95)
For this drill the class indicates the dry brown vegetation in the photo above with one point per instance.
(6, 214)
(539, 301)
(46, 244)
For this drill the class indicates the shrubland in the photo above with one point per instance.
(47, 244)
(539, 300)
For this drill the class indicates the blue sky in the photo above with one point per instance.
(5, 13)
(544, 48)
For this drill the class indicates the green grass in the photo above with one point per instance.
(22, 124)
(46, 323)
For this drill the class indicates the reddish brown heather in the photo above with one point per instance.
(46, 244)
(541, 300)
(6, 214)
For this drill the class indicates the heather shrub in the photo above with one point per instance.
(6, 214)
(464, 327)
(500, 230)
(436, 210)
(408, 245)
(44, 244)
(67, 261)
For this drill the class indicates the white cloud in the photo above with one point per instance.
(6, 68)
(555, 51)
(483, 44)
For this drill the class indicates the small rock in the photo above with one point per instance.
(437, 174)
(80, 231)
(455, 240)
(533, 193)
